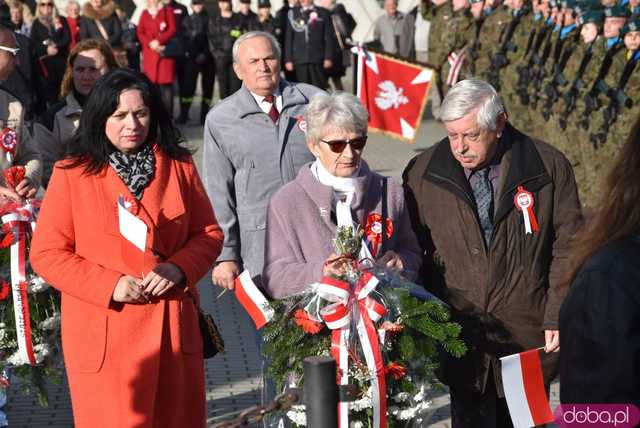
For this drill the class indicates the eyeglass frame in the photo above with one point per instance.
(13, 51)
(338, 146)
(46, 4)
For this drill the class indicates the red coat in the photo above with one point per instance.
(129, 365)
(74, 29)
(162, 28)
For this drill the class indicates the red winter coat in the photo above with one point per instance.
(162, 28)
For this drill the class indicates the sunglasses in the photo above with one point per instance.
(46, 4)
(338, 146)
(13, 51)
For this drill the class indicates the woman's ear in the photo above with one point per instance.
(313, 148)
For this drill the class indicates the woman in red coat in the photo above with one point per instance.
(130, 334)
(156, 28)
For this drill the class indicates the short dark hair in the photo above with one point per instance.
(90, 147)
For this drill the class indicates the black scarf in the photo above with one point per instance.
(136, 170)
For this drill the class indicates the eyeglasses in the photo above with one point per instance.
(46, 4)
(338, 146)
(14, 51)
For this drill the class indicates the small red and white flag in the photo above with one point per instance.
(393, 91)
(252, 299)
(524, 389)
(133, 232)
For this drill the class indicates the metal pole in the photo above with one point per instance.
(321, 392)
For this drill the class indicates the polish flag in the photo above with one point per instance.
(252, 299)
(133, 232)
(524, 389)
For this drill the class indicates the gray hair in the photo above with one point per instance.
(250, 35)
(467, 95)
(339, 110)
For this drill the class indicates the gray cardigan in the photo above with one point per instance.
(301, 226)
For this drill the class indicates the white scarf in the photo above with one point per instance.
(343, 190)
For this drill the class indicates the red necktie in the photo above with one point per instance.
(273, 111)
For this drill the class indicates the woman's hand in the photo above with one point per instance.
(128, 290)
(161, 279)
(154, 45)
(26, 189)
(8, 193)
(391, 260)
(52, 49)
(334, 266)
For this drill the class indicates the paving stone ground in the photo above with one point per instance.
(233, 378)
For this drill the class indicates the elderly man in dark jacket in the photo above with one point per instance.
(495, 212)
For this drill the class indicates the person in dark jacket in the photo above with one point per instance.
(343, 26)
(282, 17)
(309, 43)
(248, 18)
(500, 271)
(99, 21)
(224, 29)
(181, 13)
(599, 319)
(266, 22)
(51, 38)
(199, 61)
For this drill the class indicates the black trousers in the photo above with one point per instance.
(166, 93)
(207, 71)
(228, 82)
(312, 74)
(472, 409)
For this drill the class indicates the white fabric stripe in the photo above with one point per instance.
(371, 365)
(513, 384)
(16, 277)
(131, 227)
(527, 221)
(344, 376)
(332, 293)
(255, 295)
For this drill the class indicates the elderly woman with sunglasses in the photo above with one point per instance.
(338, 189)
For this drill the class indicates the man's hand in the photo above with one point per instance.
(224, 273)
(128, 290)
(552, 341)
(161, 279)
(391, 260)
(327, 64)
(26, 189)
(288, 66)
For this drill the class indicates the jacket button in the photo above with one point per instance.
(475, 251)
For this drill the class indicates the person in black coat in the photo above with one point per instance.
(51, 37)
(283, 20)
(343, 26)
(266, 22)
(224, 28)
(600, 317)
(100, 21)
(248, 18)
(198, 61)
(309, 43)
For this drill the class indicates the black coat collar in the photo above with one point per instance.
(524, 168)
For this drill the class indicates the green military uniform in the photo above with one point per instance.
(454, 40)
(437, 54)
(494, 25)
(474, 45)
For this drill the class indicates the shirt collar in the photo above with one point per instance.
(265, 106)
(567, 30)
(612, 41)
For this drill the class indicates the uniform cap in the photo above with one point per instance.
(475, 1)
(583, 6)
(617, 11)
(631, 25)
(596, 16)
(569, 4)
(263, 3)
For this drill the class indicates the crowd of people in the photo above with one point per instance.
(283, 168)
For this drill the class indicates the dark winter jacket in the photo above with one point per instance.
(107, 16)
(507, 295)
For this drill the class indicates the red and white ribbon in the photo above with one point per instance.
(455, 62)
(21, 220)
(348, 305)
(524, 202)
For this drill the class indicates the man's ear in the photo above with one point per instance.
(236, 69)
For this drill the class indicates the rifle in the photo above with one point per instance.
(540, 72)
(570, 96)
(551, 89)
(500, 60)
(524, 71)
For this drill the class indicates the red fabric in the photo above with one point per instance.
(128, 365)
(534, 387)
(382, 80)
(162, 28)
(74, 29)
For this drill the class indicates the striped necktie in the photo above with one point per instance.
(483, 194)
(273, 111)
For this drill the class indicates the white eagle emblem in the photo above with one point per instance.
(390, 96)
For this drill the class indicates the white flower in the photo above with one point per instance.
(16, 359)
(37, 285)
(356, 424)
(51, 323)
(400, 397)
(297, 415)
(361, 404)
(41, 352)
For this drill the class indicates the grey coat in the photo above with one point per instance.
(301, 227)
(246, 159)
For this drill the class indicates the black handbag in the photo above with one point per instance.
(212, 342)
(175, 46)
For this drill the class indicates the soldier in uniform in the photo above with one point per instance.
(436, 12)
(634, 7)
(16, 137)
(497, 18)
(473, 35)
(224, 28)
(309, 43)
(198, 61)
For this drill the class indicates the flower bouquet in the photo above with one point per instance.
(29, 307)
(383, 331)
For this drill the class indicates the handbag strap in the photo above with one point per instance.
(103, 31)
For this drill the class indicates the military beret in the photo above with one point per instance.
(583, 6)
(263, 3)
(631, 25)
(475, 1)
(616, 11)
(596, 16)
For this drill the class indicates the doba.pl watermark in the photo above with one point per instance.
(597, 415)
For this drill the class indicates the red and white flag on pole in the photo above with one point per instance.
(133, 232)
(393, 91)
(252, 299)
(524, 389)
